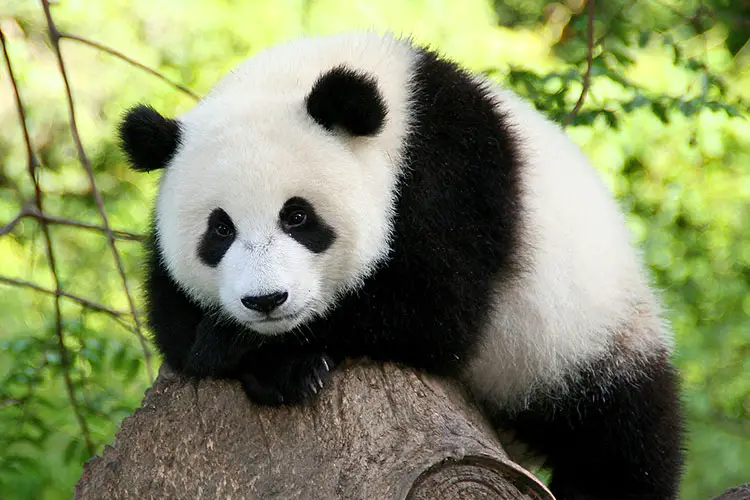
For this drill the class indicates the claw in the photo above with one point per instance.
(325, 363)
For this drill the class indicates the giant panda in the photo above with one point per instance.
(360, 195)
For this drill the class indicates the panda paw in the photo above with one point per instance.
(215, 351)
(286, 380)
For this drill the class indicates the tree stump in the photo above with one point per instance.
(376, 432)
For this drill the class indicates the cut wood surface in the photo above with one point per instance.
(376, 432)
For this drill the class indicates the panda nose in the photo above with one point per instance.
(264, 303)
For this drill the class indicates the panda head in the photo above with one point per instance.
(274, 200)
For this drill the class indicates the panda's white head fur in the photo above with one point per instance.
(277, 192)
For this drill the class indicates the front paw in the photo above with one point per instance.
(276, 381)
(216, 350)
(201, 364)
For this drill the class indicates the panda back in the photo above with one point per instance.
(584, 299)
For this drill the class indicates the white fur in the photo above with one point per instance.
(584, 291)
(250, 145)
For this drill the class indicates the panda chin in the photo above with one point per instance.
(276, 326)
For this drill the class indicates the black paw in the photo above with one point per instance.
(215, 352)
(201, 364)
(276, 381)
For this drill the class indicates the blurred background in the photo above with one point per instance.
(664, 119)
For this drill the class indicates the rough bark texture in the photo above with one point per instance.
(736, 493)
(376, 432)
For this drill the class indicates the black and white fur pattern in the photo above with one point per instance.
(356, 195)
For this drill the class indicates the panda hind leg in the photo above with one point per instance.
(622, 440)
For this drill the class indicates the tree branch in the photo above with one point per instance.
(31, 211)
(54, 36)
(119, 234)
(130, 61)
(375, 431)
(7, 228)
(589, 64)
(32, 165)
(61, 293)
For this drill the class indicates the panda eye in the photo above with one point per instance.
(223, 230)
(294, 217)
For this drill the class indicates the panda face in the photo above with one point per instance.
(278, 189)
(262, 278)
(269, 225)
(264, 273)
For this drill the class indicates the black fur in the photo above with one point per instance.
(148, 139)
(456, 231)
(303, 373)
(457, 235)
(174, 318)
(314, 233)
(620, 441)
(213, 244)
(349, 99)
(215, 350)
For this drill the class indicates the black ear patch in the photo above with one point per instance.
(349, 99)
(149, 139)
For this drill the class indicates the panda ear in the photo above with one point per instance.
(148, 139)
(348, 99)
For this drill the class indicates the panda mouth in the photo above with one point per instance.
(279, 319)
(275, 325)
(272, 325)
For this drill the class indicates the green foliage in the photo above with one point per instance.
(664, 118)
(36, 416)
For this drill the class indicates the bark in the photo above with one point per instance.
(377, 431)
(736, 493)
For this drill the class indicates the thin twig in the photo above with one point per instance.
(7, 228)
(31, 211)
(54, 35)
(119, 234)
(32, 165)
(589, 64)
(94, 306)
(128, 60)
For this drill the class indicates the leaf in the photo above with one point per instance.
(118, 360)
(644, 38)
(611, 118)
(19, 462)
(660, 111)
(622, 56)
(93, 356)
(730, 110)
(71, 450)
(133, 368)
(637, 102)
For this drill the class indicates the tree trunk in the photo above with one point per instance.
(376, 432)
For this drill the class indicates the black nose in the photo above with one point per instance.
(265, 303)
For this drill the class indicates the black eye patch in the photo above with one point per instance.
(218, 237)
(299, 220)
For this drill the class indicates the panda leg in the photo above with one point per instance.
(619, 441)
(216, 351)
(284, 374)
